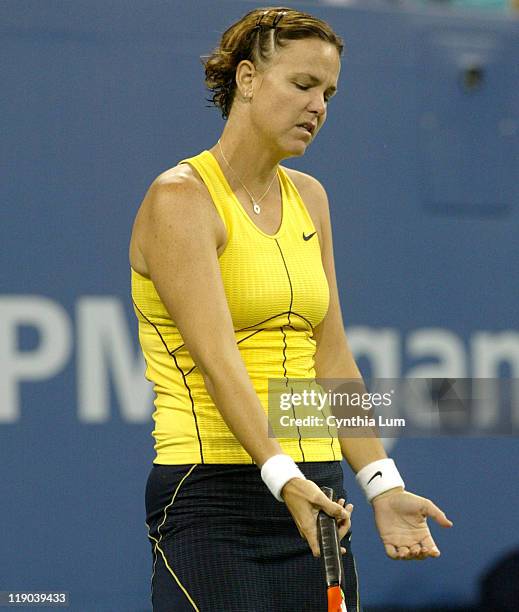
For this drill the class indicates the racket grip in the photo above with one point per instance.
(329, 543)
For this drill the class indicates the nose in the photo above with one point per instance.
(317, 104)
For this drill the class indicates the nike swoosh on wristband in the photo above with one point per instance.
(379, 473)
(309, 236)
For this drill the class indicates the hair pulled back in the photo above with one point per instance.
(256, 37)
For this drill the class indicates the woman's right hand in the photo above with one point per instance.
(304, 499)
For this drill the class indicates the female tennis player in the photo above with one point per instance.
(233, 284)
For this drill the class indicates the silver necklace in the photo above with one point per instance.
(255, 203)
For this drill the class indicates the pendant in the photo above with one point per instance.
(256, 207)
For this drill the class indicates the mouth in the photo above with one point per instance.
(307, 127)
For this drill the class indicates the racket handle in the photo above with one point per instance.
(329, 543)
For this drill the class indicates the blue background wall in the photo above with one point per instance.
(97, 99)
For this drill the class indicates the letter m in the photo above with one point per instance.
(106, 353)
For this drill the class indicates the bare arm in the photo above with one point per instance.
(401, 517)
(333, 356)
(177, 238)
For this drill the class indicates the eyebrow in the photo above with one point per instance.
(315, 81)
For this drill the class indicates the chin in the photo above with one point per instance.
(295, 149)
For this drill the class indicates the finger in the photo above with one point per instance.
(341, 502)
(343, 550)
(403, 552)
(429, 547)
(349, 510)
(431, 550)
(313, 543)
(333, 508)
(391, 551)
(438, 515)
(425, 554)
(314, 547)
(343, 530)
(344, 524)
(418, 552)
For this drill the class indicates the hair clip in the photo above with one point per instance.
(260, 19)
(278, 18)
(259, 25)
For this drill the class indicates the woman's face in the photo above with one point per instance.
(293, 90)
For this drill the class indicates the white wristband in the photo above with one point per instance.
(277, 471)
(379, 476)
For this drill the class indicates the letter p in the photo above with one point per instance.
(53, 327)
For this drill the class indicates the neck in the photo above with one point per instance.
(252, 162)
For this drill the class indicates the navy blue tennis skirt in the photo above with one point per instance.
(221, 542)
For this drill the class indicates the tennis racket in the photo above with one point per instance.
(331, 557)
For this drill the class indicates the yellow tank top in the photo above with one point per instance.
(277, 293)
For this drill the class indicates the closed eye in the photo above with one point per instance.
(306, 87)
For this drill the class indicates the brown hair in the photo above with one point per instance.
(256, 37)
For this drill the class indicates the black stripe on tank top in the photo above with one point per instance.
(239, 342)
(285, 340)
(279, 314)
(290, 282)
(193, 411)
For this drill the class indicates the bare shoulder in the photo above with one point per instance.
(312, 192)
(308, 185)
(177, 199)
(170, 186)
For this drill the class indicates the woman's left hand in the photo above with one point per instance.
(401, 520)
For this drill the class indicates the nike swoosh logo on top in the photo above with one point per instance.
(375, 475)
(309, 235)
